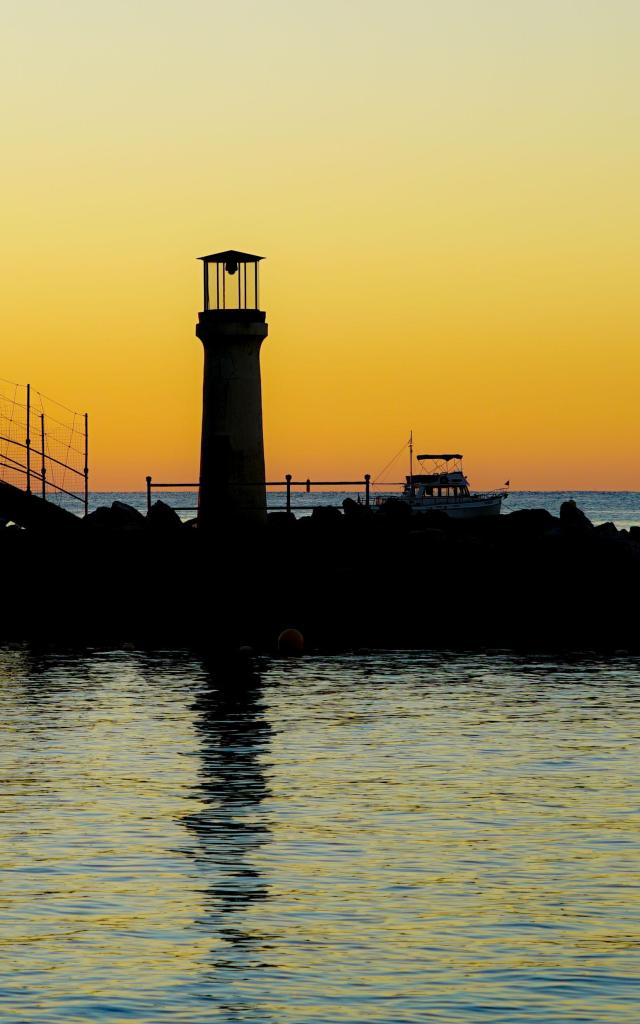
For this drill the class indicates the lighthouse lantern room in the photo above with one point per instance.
(231, 280)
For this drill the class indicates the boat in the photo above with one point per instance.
(445, 488)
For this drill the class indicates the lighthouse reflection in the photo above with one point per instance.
(231, 825)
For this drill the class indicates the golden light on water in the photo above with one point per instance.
(382, 837)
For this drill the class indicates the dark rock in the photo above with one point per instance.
(427, 540)
(120, 516)
(606, 530)
(573, 518)
(32, 513)
(162, 517)
(396, 510)
(433, 519)
(528, 521)
(634, 533)
(281, 520)
(123, 515)
(326, 514)
(354, 509)
(100, 519)
(552, 536)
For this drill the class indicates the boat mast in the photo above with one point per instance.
(411, 463)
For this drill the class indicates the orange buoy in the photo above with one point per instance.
(291, 643)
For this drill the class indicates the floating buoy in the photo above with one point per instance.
(291, 643)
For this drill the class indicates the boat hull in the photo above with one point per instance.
(465, 508)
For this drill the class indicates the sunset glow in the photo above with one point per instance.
(445, 193)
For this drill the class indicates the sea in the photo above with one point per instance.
(619, 507)
(377, 836)
(371, 837)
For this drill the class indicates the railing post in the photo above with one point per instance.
(288, 479)
(367, 484)
(43, 467)
(86, 463)
(28, 439)
(148, 495)
(308, 486)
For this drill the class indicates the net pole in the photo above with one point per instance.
(43, 468)
(86, 463)
(28, 439)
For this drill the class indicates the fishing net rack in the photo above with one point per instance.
(44, 446)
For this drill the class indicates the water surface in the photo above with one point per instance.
(382, 837)
(619, 507)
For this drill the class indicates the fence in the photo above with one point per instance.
(44, 447)
(287, 483)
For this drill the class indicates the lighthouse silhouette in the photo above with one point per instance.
(231, 327)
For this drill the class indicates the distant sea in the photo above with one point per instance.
(619, 507)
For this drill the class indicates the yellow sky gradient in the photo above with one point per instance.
(446, 194)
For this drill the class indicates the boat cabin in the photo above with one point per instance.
(437, 485)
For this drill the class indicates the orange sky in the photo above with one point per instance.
(446, 194)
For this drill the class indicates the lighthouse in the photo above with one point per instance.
(231, 327)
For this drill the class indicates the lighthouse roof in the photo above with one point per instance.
(231, 256)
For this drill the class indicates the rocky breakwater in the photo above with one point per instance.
(348, 577)
(392, 578)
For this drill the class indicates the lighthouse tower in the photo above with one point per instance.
(231, 328)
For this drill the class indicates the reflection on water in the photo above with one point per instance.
(231, 827)
(378, 838)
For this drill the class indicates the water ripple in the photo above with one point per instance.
(383, 837)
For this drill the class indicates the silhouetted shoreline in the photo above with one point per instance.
(345, 579)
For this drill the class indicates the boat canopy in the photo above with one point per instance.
(456, 479)
(447, 458)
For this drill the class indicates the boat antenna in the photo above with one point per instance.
(411, 461)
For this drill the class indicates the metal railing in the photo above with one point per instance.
(287, 483)
(37, 467)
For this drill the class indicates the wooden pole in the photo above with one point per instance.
(148, 495)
